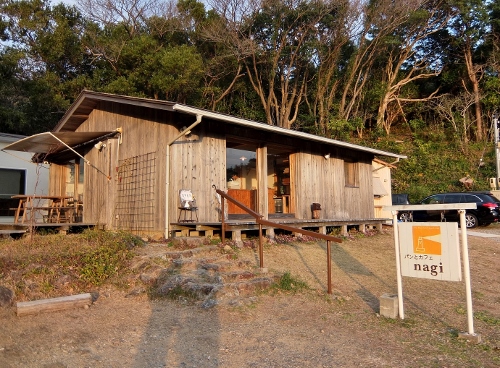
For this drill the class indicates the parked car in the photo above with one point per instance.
(487, 212)
(400, 199)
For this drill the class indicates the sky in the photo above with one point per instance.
(68, 2)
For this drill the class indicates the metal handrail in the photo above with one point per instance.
(259, 220)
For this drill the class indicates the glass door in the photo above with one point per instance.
(241, 175)
(278, 179)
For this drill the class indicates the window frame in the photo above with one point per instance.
(351, 173)
(7, 203)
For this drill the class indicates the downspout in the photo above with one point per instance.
(167, 170)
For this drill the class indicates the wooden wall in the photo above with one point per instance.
(196, 162)
(320, 180)
(57, 179)
(142, 135)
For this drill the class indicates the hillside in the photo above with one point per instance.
(436, 162)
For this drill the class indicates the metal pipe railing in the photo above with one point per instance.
(259, 220)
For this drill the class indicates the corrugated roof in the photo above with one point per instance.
(88, 100)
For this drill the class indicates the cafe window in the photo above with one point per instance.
(351, 172)
(75, 171)
(12, 182)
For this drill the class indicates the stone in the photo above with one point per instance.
(6, 297)
(474, 338)
(389, 306)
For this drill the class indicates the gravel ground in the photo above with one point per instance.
(308, 329)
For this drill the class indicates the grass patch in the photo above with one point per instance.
(179, 293)
(290, 284)
(55, 265)
(487, 318)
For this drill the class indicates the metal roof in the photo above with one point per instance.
(88, 100)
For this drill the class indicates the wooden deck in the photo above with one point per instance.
(13, 229)
(240, 227)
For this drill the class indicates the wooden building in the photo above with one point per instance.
(137, 154)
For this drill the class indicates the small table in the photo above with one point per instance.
(57, 209)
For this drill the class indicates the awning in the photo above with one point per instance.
(58, 147)
(378, 187)
(50, 142)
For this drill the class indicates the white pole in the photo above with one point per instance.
(398, 264)
(465, 254)
(497, 148)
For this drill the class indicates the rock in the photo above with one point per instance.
(63, 280)
(188, 242)
(150, 275)
(6, 297)
(136, 292)
(209, 303)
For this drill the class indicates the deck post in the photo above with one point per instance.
(270, 233)
(329, 265)
(261, 248)
(236, 237)
(223, 223)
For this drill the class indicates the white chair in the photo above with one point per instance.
(188, 204)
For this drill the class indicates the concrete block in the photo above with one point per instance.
(474, 338)
(389, 306)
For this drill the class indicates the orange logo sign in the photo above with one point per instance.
(427, 240)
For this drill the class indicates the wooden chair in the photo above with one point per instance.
(188, 205)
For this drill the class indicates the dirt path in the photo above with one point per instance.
(311, 329)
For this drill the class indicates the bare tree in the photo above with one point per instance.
(132, 14)
(454, 110)
(273, 41)
(388, 43)
(335, 34)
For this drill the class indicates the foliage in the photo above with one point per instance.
(362, 72)
(432, 167)
(487, 318)
(289, 283)
(178, 293)
(34, 268)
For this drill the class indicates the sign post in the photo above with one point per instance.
(431, 250)
(398, 265)
(468, 289)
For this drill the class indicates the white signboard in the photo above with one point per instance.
(430, 250)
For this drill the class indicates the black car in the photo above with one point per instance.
(487, 212)
(400, 199)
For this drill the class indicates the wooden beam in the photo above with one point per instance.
(206, 228)
(54, 304)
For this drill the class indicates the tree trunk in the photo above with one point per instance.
(472, 73)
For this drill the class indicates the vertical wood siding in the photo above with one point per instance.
(197, 162)
(320, 180)
(57, 179)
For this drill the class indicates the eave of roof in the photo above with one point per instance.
(7, 137)
(88, 100)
